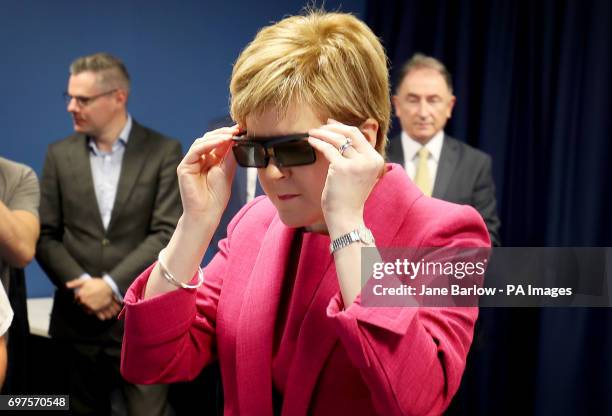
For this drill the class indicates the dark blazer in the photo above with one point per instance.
(73, 240)
(464, 177)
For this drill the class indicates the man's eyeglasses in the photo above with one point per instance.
(83, 101)
(291, 150)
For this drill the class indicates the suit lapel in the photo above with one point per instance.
(446, 167)
(136, 153)
(395, 152)
(78, 160)
(310, 357)
(255, 332)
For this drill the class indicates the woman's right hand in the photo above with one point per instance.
(206, 172)
(205, 178)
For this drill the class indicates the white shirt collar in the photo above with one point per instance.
(411, 147)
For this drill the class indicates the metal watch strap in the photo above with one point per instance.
(350, 238)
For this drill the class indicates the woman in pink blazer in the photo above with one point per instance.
(282, 314)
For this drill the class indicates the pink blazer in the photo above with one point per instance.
(358, 361)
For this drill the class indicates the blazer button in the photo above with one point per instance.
(105, 242)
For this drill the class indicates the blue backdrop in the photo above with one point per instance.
(179, 54)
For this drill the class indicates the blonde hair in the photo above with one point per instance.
(329, 61)
(111, 71)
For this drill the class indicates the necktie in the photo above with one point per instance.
(422, 178)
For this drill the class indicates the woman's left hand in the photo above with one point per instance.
(351, 175)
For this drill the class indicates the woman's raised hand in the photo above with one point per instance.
(354, 168)
(206, 172)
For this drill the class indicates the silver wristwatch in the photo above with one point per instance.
(362, 234)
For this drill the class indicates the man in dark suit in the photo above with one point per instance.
(441, 166)
(109, 204)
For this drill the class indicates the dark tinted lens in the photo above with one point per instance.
(249, 155)
(294, 153)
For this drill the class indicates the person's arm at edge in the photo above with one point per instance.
(19, 232)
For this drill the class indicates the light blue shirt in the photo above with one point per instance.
(106, 170)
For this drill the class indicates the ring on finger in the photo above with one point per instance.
(348, 143)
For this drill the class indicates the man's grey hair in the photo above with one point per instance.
(422, 61)
(111, 70)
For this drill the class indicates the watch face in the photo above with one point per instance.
(366, 236)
